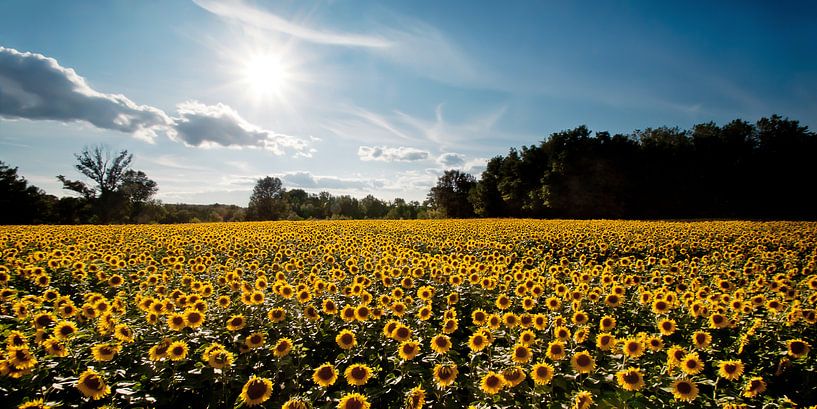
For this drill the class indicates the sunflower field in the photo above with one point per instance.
(410, 314)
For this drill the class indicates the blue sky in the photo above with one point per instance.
(358, 97)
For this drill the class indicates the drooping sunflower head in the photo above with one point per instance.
(445, 375)
(513, 376)
(92, 385)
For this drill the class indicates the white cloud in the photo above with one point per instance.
(390, 154)
(35, 87)
(306, 180)
(256, 17)
(451, 159)
(198, 124)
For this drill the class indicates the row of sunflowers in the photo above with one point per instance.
(410, 314)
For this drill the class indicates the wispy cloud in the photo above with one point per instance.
(238, 10)
(36, 87)
(392, 154)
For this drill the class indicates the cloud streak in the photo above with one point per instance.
(33, 86)
(244, 13)
(391, 154)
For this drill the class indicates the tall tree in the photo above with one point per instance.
(267, 201)
(117, 192)
(22, 203)
(452, 192)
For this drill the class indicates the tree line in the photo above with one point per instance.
(113, 192)
(738, 170)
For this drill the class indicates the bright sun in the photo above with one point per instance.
(266, 75)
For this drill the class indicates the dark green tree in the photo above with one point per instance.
(267, 201)
(451, 194)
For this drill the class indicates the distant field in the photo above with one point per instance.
(392, 314)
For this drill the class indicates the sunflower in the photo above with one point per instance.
(441, 343)
(21, 358)
(123, 333)
(256, 391)
(236, 323)
(701, 339)
(55, 347)
(104, 352)
(582, 362)
(347, 313)
(416, 398)
(521, 354)
(16, 339)
(275, 315)
(177, 351)
(582, 400)
(675, 355)
(666, 327)
(357, 374)
(282, 347)
(513, 376)
(798, 348)
(325, 375)
(685, 390)
(556, 350)
(630, 379)
(401, 332)
(450, 325)
(717, 320)
(34, 404)
(754, 387)
(176, 321)
(159, 350)
(194, 318)
(542, 373)
(346, 339)
(632, 347)
(605, 341)
(607, 323)
(562, 333)
(492, 383)
(730, 370)
(445, 375)
(329, 307)
(353, 401)
(660, 307)
(477, 342)
(92, 385)
(408, 350)
(65, 329)
(295, 403)
(479, 317)
(220, 359)
(424, 314)
(254, 340)
(692, 364)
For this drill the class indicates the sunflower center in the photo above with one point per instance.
(178, 350)
(353, 403)
(359, 372)
(492, 381)
(325, 373)
(631, 378)
(683, 388)
(256, 390)
(798, 347)
(730, 368)
(93, 382)
(346, 339)
(583, 360)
